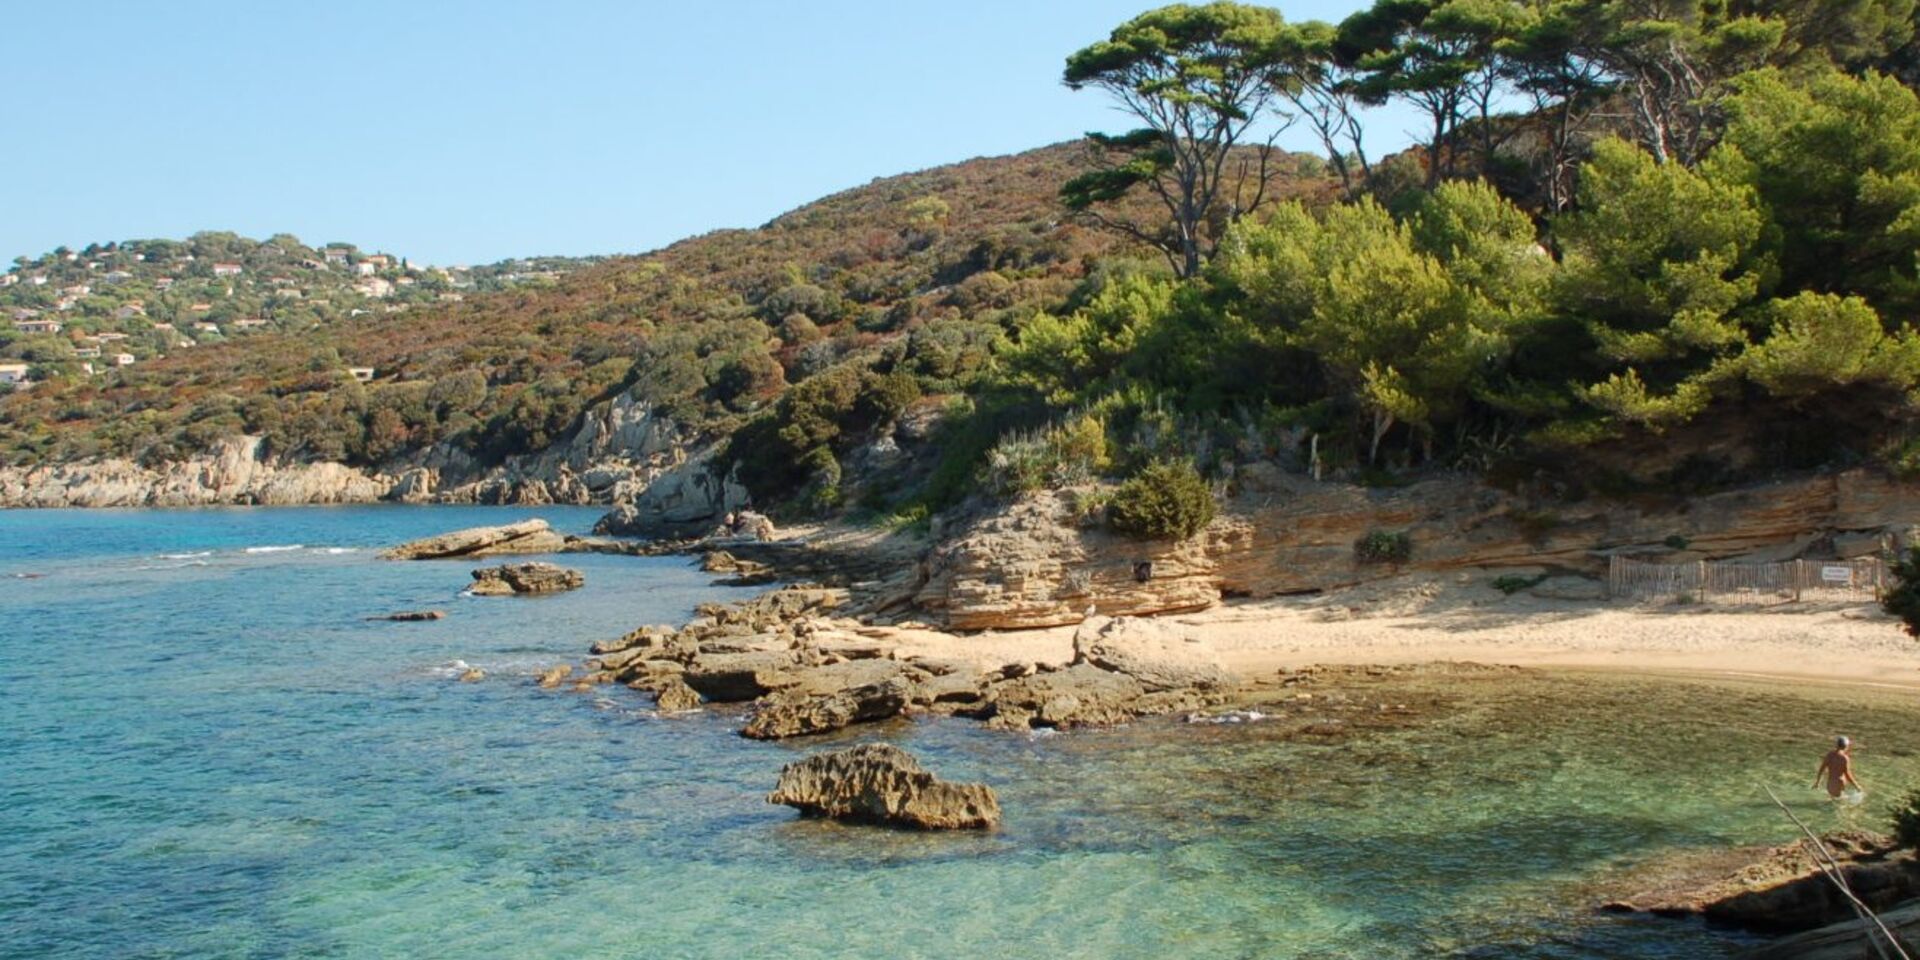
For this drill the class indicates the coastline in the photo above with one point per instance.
(1854, 645)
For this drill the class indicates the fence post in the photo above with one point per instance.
(1799, 578)
(1701, 573)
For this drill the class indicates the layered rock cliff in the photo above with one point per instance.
(1043, 562)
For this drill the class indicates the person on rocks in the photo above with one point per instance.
(1837, 769)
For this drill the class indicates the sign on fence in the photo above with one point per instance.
(1831, 574)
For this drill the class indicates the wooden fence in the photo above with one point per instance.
(1708, 581)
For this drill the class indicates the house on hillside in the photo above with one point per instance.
(117, 276)
(199, 307)
(123, 359)
(14, 373)
(37, 326)
(374, 287)
(163, 284)
(336, 255)
(249, 323)
(129, 311)
(362, 374)
(164, 327)
(227, 270)
(205, 327)
(364, 268)
(76, 290)
(24, 313)
(9, 279)
(87, 353)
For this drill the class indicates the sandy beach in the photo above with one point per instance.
(1457, 617)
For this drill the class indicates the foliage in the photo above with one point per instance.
(1906, 821)
(1165, 500)
(1903, 599)
(1511, 584)
(1384, 546)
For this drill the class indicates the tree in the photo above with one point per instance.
(1657, 261)
(1820, 342)
(1441, 56)
(1200, 78)
(1549, 61)
(1836, 159)
(1673, 59)
(1320, 85)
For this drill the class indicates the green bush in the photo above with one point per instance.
(1164, 501)
(1903, 600)
(1511, 584)
(1383, 546)
(1906, 821)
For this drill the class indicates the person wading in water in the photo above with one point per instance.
(1837, 768)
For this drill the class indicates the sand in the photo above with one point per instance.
(1459, 617)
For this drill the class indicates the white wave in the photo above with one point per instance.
(1231, 716)
(336, 551)
(186, 556)
(277, 548)
(172, 566)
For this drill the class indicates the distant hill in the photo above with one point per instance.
(503, 360)
(146, 298)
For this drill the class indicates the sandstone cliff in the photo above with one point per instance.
(1042, 563)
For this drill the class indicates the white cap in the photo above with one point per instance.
(1842, 742)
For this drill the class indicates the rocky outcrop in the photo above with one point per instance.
(527, 536)
(522, 578)
(1781, 889)
(794, 714)
(884, 785)
(1041, 563)
(234, 471)
(689, 500)
(1158, 654)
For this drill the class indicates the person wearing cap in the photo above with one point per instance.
(1837, 768)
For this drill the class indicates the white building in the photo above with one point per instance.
(13, 373)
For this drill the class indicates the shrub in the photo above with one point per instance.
(1906, 821)
(1511, 584)
(1903, 600)
(1164, 501)
(1383, 546)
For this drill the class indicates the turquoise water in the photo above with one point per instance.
(206, 752)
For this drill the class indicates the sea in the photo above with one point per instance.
(208, 750)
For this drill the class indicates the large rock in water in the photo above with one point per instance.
(794, 713)
(527, 536)
(512, 578)
(882, 784)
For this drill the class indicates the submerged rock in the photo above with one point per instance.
(884, 785)
(1781, 889)
(413, 616)
(1845, 941)
(527, 536)
(513, 578)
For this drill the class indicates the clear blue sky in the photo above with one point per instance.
(470, 132)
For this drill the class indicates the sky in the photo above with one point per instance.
(468, 132)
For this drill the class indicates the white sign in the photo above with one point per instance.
(1836, 574)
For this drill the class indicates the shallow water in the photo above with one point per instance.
(206, 752)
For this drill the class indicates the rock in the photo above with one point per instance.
(1156, 653)
(527, 536)
(675, 696)
(686, 501)
(1865, 543)
(719, 561)
(519, 578)
(884, 785)
(552, 677)
(950, 688)
(1845, 941)
(475, 675)
(1781, 889)
(794, 713)
(1080, 695)
(739, 677)
(1034, 564)
(413, 616)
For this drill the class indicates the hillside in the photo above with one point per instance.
(710, 329)
(73, 311)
